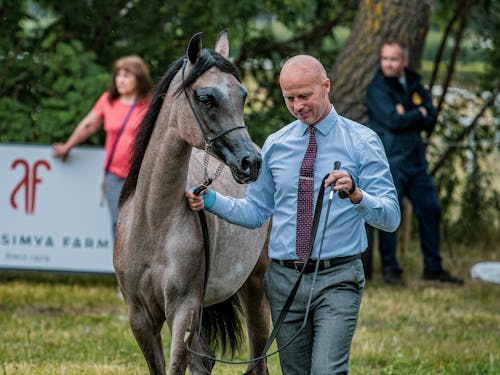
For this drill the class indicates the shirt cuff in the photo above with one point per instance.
(209, 199)
(366, 204)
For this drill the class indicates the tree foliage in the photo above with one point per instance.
(465, 146)
(262, 35)
(47, 84)
(55, 60)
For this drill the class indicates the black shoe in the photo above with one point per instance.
(443, 277)
(393, 278)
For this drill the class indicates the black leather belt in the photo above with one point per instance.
(325, 264)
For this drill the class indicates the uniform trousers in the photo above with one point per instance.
(415, 183)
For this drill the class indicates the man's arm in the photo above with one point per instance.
(249, 212)
(379, 205)
(429, 121)
(383, 109)
(372, 189)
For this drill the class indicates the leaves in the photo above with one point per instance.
(47, 84)
(55, 59)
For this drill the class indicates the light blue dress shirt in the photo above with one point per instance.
(275, 191)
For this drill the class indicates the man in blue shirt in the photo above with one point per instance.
(323, 346)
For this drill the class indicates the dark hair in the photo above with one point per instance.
(136, 66)
(402, 45)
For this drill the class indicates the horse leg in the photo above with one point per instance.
(184, 333)
(197, 364)
(257, 312)
(147, 333)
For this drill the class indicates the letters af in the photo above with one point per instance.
(29, 182)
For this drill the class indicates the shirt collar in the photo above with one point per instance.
(403, 81)
(325, 125)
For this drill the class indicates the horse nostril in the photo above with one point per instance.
(250, 166)
(246, 165)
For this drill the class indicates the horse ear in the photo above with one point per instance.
(194, 48)
(222, 44)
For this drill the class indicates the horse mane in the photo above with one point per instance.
(208, 59)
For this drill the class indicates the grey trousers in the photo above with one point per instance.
(112, 190)
(323, 346)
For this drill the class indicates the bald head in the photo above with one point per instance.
(305, 87)
(303, 65)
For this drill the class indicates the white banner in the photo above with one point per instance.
(51, 217)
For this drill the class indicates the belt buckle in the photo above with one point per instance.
(297, 264)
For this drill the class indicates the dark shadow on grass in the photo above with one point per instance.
(46, 277)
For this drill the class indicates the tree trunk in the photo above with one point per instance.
(376, 21)
(464, 19)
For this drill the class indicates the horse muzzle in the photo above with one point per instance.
(246, 168)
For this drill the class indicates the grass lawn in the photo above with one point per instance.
(66, 324)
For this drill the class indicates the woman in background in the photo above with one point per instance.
(120, 110)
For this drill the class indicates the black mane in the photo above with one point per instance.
(208, 59)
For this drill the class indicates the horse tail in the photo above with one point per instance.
(222, 326)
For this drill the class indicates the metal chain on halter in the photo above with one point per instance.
(219, 169)
(208, 180)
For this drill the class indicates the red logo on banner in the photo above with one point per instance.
(29, 182)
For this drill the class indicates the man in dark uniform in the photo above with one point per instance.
(400, 108)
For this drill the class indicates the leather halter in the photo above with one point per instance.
(209, 140)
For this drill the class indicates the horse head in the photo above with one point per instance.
(216, 99)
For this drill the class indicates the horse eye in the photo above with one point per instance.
(206, 100)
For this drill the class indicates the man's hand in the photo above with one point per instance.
(400, 109)
(343, 181)
(423, 111)
(195, 202)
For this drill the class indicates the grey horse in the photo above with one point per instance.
(158, 252)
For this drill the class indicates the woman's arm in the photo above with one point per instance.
(90, 124)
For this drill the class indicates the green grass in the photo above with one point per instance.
(466, 75)
(65, 324)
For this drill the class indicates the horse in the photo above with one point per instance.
(158, 252)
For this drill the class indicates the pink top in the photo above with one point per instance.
(113, 115)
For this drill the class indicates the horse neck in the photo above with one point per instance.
(163, 176)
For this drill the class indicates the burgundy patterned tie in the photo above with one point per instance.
(305, 197)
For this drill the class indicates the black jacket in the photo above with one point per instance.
(400, 134)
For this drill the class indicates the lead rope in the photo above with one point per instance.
(206, 243)
(286, 306)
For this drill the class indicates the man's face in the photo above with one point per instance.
(392, 60)
(306, 94)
